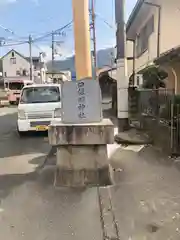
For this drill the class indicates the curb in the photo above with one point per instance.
(108, 219)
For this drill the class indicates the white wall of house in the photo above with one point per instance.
(169, 35)
(12, 63)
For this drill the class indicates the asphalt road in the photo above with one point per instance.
(19, 158)
(30, 207)
(145, 200)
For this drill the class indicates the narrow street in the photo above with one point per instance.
(18, 157)
(99, 84)
(30, 207)
(145, 199)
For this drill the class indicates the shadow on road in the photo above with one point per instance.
(10, 181)
(12, 145)
(43, 174)
(44, 161)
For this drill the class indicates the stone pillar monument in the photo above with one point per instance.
(82, 136)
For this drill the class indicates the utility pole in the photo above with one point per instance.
(53, 57)
(122, 79)
(30, 56)
(93, 16)
(2, 42)
(41, 67)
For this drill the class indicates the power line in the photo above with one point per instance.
(7, 29)
(56, 31)
(12, 32)
(105, 21)
(13, 40)
(55, 42)
(30, 40)
(14, 44)
(45, 35)
(44, 20)
(30, 48)
(35, 45)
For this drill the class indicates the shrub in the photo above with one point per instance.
(153, 77)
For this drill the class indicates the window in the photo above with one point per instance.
(5, 74)
(24, 72)
(18, 73)
(35, 60)
(142, 42)
(16, 85)
(55, 80)
(12, 54)
(138, 80)
(40, 95)
(143, 37)
(13, 60)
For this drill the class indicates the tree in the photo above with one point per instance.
(153, 77)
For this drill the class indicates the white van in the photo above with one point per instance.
(38, 106)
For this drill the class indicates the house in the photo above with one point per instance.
(170, 62)
(152, 35)
(15, 64)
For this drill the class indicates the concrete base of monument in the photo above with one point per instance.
(82, 153)
(82, 177)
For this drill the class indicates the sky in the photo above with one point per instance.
(40, 17)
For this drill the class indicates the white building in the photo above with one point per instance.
(15, 64)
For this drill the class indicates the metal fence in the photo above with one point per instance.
(158, 113)
(155, 104)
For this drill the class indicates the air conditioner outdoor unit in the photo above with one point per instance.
(138, 80)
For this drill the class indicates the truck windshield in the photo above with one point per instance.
(16, 85)
(40, 95)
